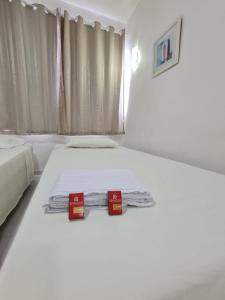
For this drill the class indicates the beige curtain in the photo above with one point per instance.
(28, 69)
(92, 72)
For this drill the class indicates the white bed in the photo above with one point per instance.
(174, 250)
(16, 173)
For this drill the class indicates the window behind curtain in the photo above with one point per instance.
(32, 68)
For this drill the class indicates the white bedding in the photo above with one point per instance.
(16, 173)
(174, 250)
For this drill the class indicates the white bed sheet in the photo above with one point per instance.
(172, 251)
(16, 173)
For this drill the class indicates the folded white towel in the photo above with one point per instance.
(95, 184)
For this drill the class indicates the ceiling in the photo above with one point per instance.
(115, 9)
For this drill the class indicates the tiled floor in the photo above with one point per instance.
(10, 226)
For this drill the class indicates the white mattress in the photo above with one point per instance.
(174, 250)
(16, 173)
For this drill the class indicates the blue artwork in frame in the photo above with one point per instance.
(167, 49)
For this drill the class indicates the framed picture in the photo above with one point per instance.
(167, 49)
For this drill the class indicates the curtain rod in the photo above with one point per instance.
(34, 6)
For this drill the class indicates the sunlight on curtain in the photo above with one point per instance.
(28, 69)
(92, 63)
(58, 75)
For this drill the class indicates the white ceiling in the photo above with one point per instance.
(115, 9)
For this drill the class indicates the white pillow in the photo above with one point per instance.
(91, 141)
(7, 142)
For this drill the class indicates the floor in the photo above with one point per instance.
(10, 226)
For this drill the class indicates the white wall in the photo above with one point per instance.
(181, 113)
(74, 11)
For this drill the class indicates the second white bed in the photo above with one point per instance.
(16, 173)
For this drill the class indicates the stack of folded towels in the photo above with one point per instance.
(95, 184)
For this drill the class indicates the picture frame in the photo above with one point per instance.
(167, 49)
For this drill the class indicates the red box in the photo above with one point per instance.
(76, 206)
(115, 203)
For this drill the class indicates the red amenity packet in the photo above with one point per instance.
(76, 206)
(115, 203)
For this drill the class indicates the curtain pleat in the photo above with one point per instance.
(81, 83)
(67, 70)
(61, 113)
